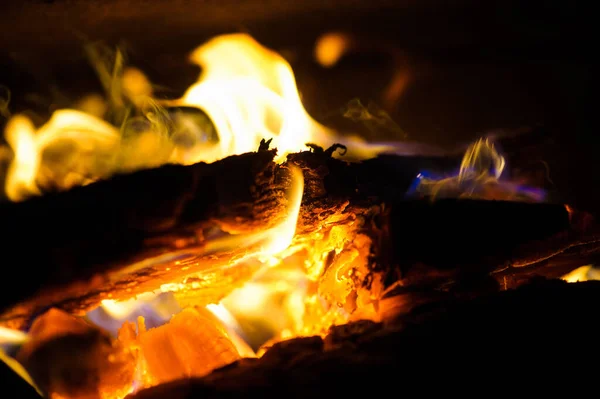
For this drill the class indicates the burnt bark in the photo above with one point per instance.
(84, 241)
(84, 238)
(76, 238)
(506, 338)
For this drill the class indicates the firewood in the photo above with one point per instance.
(82, 235)
(168, 211)
(155, 218)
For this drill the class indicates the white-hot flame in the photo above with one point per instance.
(250, 94)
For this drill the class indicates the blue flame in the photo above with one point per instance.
(480, 176)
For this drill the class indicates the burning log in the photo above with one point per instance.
(358, 356)
(160, 221)
(89, 231)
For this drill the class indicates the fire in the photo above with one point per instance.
(479, 176)
(246, 93)
(583, 273)
(274, 240)
(304, 283)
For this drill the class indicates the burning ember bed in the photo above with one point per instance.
(227, 244)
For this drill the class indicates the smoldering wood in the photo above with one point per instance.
(539, 327)
(62, 245)
(83, 238)
(83, 234)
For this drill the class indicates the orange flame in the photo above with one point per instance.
(583, 273)
(249, 93)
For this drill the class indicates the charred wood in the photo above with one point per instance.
(76, 237)
(457, 245)
(85, 240)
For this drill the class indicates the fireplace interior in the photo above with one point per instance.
(241, 198)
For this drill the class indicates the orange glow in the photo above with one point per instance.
(305, 282)
(193, 343)
(330, 48)
(583, 273)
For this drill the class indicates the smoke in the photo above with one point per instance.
(373, 118)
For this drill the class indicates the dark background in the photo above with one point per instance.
(473, 66)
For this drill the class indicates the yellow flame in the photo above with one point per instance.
(82, 130)
(583, 273)
(9, 336)
(248, 92)
(20, 177)
(481, 161)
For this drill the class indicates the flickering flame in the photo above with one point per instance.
(246, 93)
(93, 139)
(583, 273)
(250, 94)
(479, 177)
